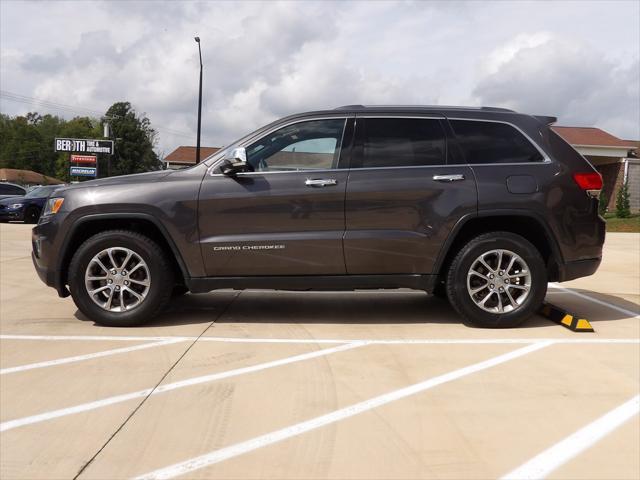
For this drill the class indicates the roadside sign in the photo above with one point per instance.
(83, 171)
(83, 145)
(87, 159)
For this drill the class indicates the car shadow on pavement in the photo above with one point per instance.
(593, 311)
(362, 307)
(266, 307)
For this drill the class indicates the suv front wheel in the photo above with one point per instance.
(120, 278)
(497, 280)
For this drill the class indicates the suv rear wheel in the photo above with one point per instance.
(120, 278)
(497, 280)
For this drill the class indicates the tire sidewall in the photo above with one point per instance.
(158, 273)
(517, 245)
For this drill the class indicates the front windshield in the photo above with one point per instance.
(40, 192)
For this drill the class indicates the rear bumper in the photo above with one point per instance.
(580, 268)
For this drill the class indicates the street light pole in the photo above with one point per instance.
(197, 39)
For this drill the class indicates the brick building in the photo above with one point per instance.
(184, 156)
(615, 159)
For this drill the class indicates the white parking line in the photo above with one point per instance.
(595, 300)
(88, 356)
(332, 417)
(84, 407)
(546, 462)
(373, 341)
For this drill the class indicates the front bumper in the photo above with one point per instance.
(44, 255)
(11, 215)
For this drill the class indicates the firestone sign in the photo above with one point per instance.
(84, 146)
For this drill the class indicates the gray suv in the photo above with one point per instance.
(482, 206)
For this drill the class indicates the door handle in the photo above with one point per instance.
(448, 178)
(320, 182)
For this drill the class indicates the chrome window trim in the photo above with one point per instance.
(251, 139)
(545, 157)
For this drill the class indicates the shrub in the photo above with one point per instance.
(603, 203)
(623, 206)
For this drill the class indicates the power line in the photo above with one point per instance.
(15, 97)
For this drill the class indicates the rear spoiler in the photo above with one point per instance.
(546, 120)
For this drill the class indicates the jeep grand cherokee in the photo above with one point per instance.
(482, 206)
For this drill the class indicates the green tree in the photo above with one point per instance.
(134, 140)
(623, 205)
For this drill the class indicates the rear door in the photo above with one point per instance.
(287, 216)
(402, 198)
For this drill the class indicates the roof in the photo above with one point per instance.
(27, 177)
(591, 136)
(187, 155)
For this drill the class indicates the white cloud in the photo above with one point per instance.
(264, 60)
(569, 79)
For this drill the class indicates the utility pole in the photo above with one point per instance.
(197, 39)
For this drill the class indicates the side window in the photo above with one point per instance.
(10, 190)
(400, 142)
(302, 146)
(490, 142)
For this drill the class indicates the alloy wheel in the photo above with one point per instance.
(499, 281)
(117, 279)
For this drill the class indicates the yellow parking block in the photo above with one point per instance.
(561, 317)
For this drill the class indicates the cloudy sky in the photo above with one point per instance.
(576, 60)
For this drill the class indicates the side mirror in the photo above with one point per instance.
(235, 162)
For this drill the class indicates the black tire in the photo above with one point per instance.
(160, 272)
(32, 215)
(460, 298)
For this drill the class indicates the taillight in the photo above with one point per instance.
(590, 182)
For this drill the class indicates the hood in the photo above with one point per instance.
(147, 177)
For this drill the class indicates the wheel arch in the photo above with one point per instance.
(524, 223)
(142, 223)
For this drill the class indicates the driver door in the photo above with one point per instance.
(286, 217)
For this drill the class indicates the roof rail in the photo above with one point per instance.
(433, 107)
(348, 107)
(497, 109)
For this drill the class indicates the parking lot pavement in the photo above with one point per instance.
(319, 385)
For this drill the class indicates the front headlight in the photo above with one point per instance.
(53, 206)
(15, 206)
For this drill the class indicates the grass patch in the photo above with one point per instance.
(615, 224)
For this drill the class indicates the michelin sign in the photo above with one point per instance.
(83, 171)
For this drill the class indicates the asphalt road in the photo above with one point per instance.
(260, 384)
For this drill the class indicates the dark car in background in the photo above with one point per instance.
(28, 207)
(11, 190)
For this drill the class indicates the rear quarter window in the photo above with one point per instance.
(492, 142)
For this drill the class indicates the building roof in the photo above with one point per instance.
(591, 136)
(187, 155)
(26, 177)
